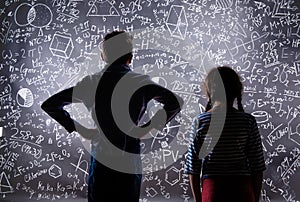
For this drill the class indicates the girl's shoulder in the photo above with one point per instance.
(229, 114)
(241, 116)
(203, 117)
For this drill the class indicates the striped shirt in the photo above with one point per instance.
(224, 145)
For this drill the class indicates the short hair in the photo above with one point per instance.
(117, 46)
(220, 79)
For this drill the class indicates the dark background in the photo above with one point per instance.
(47, 46)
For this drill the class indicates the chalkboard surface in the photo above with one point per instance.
(47, 46)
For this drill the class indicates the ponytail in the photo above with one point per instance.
(239, 103)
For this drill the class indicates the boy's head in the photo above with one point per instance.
(117, 47)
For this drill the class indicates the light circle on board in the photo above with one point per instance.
(160, 80)
(25, 97)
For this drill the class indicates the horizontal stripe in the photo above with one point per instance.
(237, 149)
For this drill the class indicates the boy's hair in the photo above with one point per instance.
(117, 47)
(222, 79)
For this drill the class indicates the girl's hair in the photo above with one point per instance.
(223, 84)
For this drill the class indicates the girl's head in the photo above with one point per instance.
(223, 84)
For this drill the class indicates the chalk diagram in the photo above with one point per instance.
(24, 97)
(61, 45)
(261, 116)
(247, 46)
(55, 171)
(38, 16)
(5, 186)
(279, 10)
(102, 9)
(82, 165)
(151, 192)
(239, 29)
(294, 130)
(176, 22)
(172, 176)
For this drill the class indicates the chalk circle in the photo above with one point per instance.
(42, 15)
(21, 11)
(260, 116)
(24, 97)
(160, 80)
(38, 15)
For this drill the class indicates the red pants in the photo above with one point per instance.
(227, 189)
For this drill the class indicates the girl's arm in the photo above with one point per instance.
(196, 187)
(257, 179)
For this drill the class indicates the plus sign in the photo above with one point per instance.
(2, 11)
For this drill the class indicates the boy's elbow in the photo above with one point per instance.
(180, 102)
(46, 106)
(177, 106)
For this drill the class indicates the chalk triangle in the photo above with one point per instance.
(239, 29)
(5, 186)
(103, 9)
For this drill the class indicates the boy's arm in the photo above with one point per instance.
(172, 105)
(54, 107)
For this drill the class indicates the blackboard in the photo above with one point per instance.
(47, 46)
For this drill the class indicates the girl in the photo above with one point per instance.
(225, 146)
